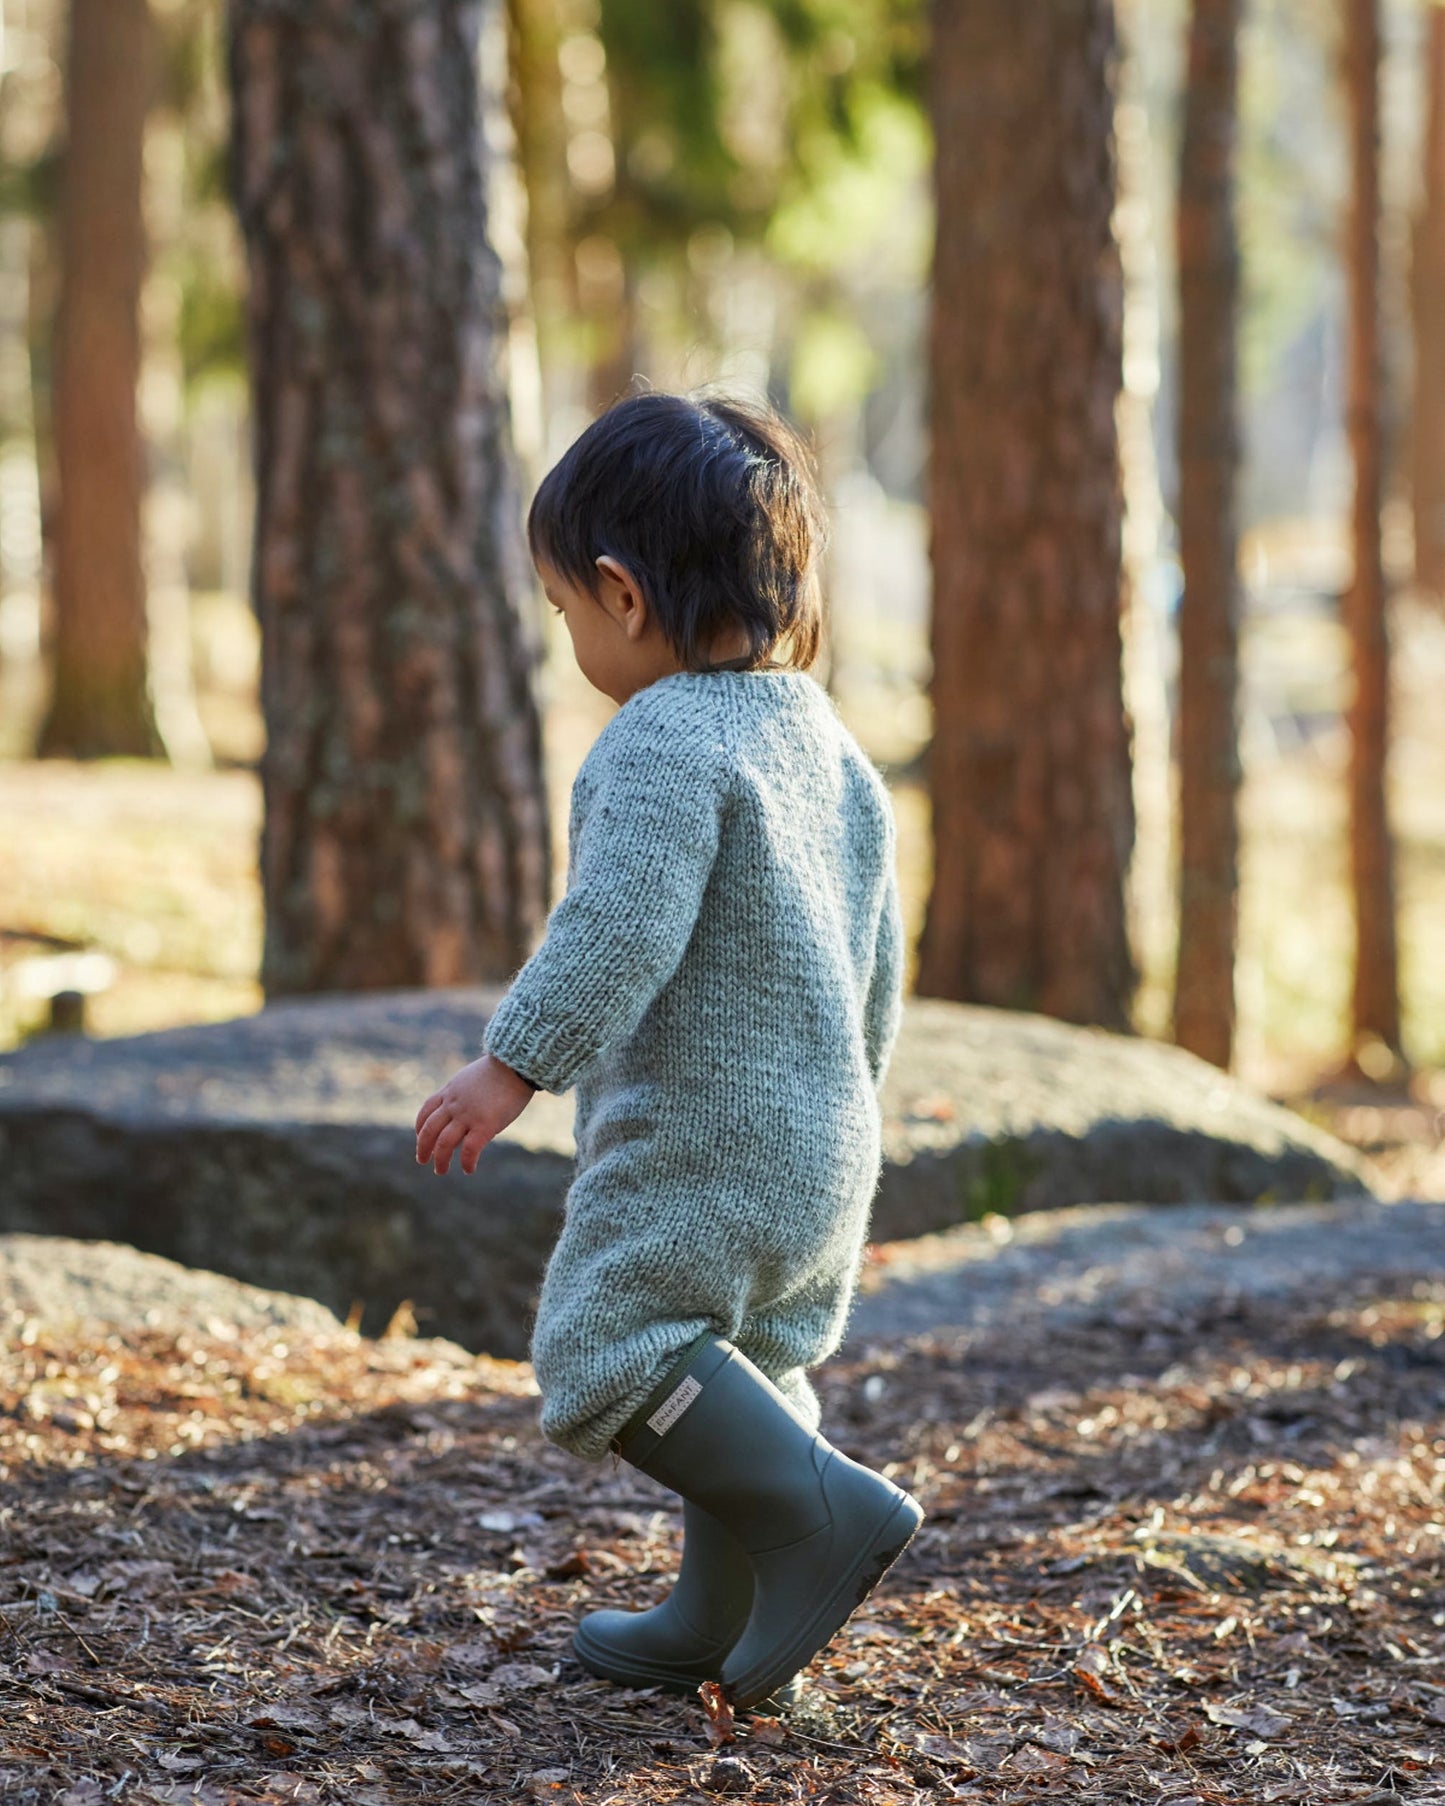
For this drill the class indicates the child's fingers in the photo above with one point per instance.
(426, 1109)
(472, 1147)
(446, 1145)
(428, 1132)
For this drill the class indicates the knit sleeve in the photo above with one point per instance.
(883, 1011)
(643, 846)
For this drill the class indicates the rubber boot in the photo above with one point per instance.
(820, 1529)
(684, 1640)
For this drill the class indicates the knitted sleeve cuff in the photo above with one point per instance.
(548, 1056)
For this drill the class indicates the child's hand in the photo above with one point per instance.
(473, 1107)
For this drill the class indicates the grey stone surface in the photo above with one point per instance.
(279, 1147)
(1137, 1263)
(66, 1284)
(993, 1110)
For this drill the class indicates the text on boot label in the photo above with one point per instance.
(673, 1406)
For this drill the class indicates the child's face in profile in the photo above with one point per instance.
(616, 640)
(618, 647)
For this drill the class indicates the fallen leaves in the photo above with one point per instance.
(718, 1711)
(374, 1601)
(1094, 1668)
(1259, 1721)
(506, 1679)
(543, 1783)
(767, 1730)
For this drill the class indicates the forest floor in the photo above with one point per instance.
(1190, 1551)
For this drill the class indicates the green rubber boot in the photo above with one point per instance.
(819, 1529)
(684, 1640)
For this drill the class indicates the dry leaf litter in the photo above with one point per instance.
(1168, 1559)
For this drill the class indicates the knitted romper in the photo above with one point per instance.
(722, 984)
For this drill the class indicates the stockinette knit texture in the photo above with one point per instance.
(722, 984)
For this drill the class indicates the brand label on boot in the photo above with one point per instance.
(673, 1406)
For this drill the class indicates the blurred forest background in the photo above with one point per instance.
(744, 192)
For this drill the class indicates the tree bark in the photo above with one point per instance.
(1428, 286)
(1209, 770)
(100, 702)
(1033, 816)
(406, 832)
(1376, 1005)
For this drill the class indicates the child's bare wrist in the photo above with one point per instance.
(531, 1084)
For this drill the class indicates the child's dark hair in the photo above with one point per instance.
(711, 505)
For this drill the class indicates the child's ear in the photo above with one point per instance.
(621, 595)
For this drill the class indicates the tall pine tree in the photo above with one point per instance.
(1033, 816)
(406, 833)
(1376, 995)
(1209, 774)
(100, 703)
(1428, 295)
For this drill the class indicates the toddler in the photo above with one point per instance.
(721, 984)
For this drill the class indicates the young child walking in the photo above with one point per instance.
(722, 985)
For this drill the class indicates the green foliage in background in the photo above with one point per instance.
(1292, 178)
(723, 111)
(203, 258)
(789, 129)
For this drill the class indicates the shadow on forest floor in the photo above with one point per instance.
(1191, 1556)
(1128, 1264)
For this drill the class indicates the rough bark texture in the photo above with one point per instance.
(1376, 1004)
(1032, 812)
(406, 834)
(1209, 770)
(100, 704)
(1428, 286)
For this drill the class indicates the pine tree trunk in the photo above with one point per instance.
(1033, 815)
(1153, 871)
(1376, 1007)
(406, 832)
(1428, 286)
(1209, 773)
(100, 703)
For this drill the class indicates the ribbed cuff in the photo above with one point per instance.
(548, 1055)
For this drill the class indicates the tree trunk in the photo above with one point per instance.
(1428, 285)
(100, 703)
(1033, 816)
(1376, 1006)
(406, 830)
(1152, 889)
(1209, 773)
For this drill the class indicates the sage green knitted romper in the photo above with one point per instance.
(722, 984)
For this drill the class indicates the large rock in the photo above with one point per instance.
(279, 1147)
(1141, 1263)
(99, 1286)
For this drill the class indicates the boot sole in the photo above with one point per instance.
(609, 1667)
(885, 1546)
(670, 1680)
